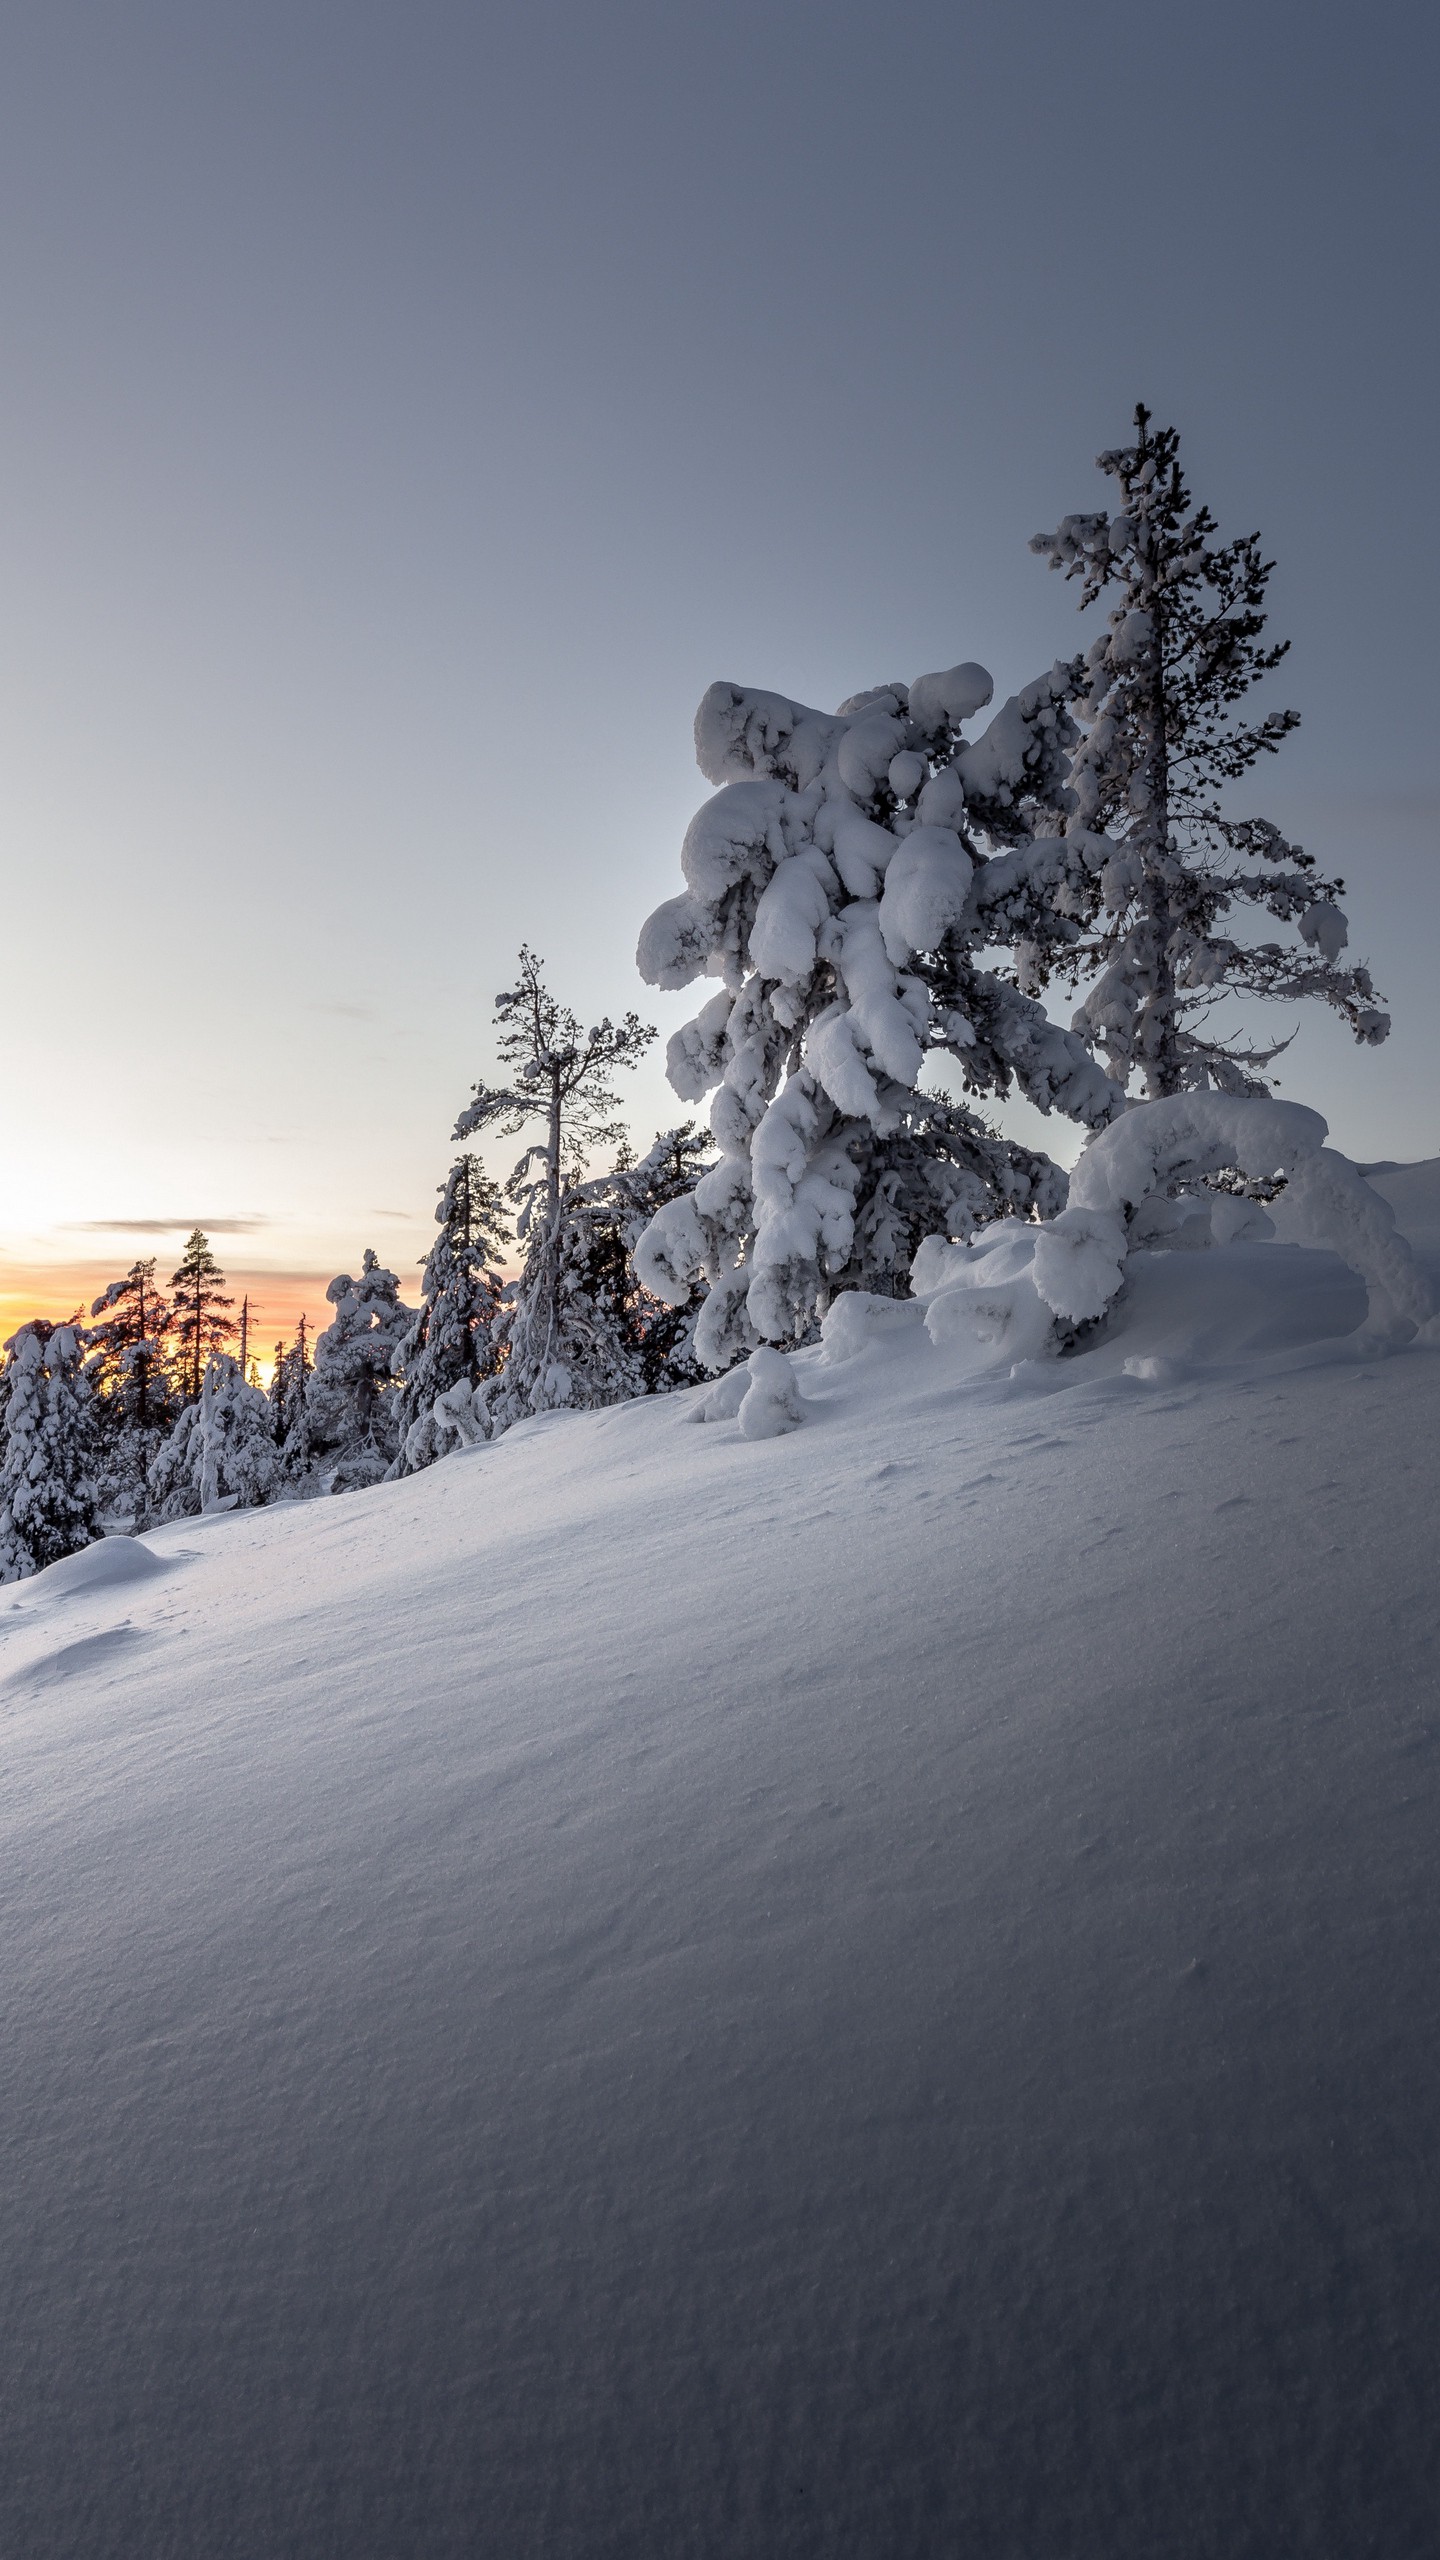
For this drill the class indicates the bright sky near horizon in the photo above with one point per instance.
(408, 411)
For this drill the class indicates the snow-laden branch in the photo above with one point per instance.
(1024, 1289)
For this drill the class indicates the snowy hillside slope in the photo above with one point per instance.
(649, 1993)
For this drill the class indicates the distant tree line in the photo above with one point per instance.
(147, 1412)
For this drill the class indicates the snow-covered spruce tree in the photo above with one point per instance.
(560, 1343)
(453, 1336)
(354, 1397)
(942, 1171)
(290, 1405)
(845, 883)
(607, 1216)
(663, 1334)
(129, 1374)
(1167, 862)
(221, 1455)
(49, 1499)
(199, 1315)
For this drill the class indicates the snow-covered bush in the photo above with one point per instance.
(221, 1455)
(49, 1501)
(1162, 860)
(841, 884)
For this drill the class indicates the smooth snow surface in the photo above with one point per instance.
(644, 1991)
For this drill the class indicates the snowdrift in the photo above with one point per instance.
(861, 1987)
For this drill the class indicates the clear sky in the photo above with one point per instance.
(409, 409)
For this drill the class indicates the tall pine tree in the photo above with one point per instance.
(290, 1404)
(200, 1313)
(560, 1339)
(453, 1335)
(129, 1374)
(1164, 740)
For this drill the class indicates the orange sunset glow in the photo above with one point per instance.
(61, 1289)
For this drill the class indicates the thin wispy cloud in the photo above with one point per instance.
(164, 1226)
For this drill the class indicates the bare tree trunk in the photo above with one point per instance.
(1159, 1045)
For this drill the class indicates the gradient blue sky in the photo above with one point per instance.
(409, 409)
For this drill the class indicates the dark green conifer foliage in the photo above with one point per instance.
(129, 1371)
(201, 1313)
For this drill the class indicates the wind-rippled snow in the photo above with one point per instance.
(645, 1992)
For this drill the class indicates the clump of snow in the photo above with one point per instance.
(981, 1301)
(857, 1318)
(771, 1404)
(722, 1402)
(1079, 1262)
(1186, 1137)
(1326, 1203)
(949, 699)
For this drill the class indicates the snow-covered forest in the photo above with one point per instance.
(887, 895)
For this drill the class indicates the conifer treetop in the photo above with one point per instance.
(1168, 858)
(559, 1070)
(201, 1310)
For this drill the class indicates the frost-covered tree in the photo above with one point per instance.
(942, 1172)
(663, 1334)
(560, 1343)
(200, 1313)
(221, 1455)
(846, 883)
(648, 1344)
(129, 1373)
(1165, 738)
(49, 1499)
(452, 1337)
(354, 1397)
(564, 1336)
(290, 1405)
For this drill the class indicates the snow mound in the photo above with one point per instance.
(111, 1560)
(1141, 1183)
(636, 1993)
